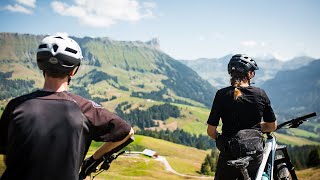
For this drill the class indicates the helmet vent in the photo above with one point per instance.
(41, 46)
(55, 47)
(244, 62)
(71, 50)
(58, 37)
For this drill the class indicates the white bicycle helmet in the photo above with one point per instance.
(242, 63)
(58, 54)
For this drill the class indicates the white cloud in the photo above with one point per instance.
(150, 5)
(30, 3)
(249, 43)
(18, 8)
(104, 13)
(22, 6)
(281, 56)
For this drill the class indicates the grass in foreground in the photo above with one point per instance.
(309, 174)
(183, 159)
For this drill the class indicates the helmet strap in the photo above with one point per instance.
(69, 79)
(77, 68)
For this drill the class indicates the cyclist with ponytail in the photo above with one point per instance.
(239, 107)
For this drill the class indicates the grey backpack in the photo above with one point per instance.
(247, 142)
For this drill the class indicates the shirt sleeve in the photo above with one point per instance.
(104, 125)
(4, 125)
(268, 114)
(215, 113)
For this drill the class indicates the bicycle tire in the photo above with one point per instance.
(283, 172)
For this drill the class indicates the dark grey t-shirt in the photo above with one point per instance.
(46, 135)
(243, 113)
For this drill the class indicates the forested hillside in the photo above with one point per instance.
(139, 69)
(296, 90)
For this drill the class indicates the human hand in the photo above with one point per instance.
(89, 166)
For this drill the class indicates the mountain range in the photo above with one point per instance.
(296, 90)
(215, 69)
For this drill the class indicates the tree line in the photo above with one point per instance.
(12, 88)
(144, 118)
(304, 156)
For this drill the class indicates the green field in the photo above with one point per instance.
(293, 140)
(184, 160)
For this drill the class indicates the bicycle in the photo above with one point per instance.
(274, 165)
(105, 162)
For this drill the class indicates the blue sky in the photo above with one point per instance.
(186, 29)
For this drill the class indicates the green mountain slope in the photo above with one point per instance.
(111, 68)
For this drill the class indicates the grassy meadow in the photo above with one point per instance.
(183, 159)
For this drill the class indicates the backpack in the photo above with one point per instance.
(247, 142)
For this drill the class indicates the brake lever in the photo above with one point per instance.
(297, 124)
(106, 163)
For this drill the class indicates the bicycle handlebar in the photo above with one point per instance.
(107, 159)
(294, 123)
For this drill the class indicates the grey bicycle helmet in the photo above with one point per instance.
(242, 63)
(58, 54)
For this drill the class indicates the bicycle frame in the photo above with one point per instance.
(271, 147)
(267, 163)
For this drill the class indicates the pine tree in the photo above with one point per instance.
(313, 158)
(205, 167)
(209, 164)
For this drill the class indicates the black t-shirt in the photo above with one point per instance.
(243, 113)
(46, 135)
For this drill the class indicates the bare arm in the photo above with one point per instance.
(268, 126)
(108, 146)
(212, 132)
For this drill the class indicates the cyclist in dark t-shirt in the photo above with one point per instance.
(46, 134)
(239, 106)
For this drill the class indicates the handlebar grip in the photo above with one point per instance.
(295, 120)
(307, 116)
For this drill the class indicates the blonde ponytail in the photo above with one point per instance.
(237, 93)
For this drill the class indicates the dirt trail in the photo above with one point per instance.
(170, 169)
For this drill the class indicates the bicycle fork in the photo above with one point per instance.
(285, 159)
